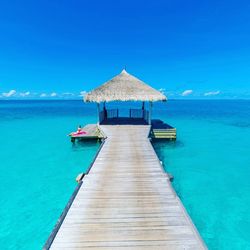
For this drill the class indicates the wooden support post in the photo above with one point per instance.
(143, 110)
(150, 112)
(98, 113)
(105, 112)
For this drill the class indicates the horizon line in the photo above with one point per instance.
(73, 99)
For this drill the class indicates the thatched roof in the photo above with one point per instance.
(124, 87)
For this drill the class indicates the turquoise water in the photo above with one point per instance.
(210, 162)
(38, 167)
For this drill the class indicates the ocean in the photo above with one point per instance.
(210, 162)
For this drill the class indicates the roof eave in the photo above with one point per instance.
(88, 98)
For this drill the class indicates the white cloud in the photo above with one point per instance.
(9, 94)
(43, 95)
(23, 94)
(67, 94)
(212, 93)
(53, 94)
(83, 93)
(187, 92)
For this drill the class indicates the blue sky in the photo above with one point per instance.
(59, 48)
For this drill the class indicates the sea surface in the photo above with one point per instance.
(210, 162)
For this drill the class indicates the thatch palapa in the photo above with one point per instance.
(124, 87)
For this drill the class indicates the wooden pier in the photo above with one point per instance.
(125, 201)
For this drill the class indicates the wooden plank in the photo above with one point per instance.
(143, 244)
(163, 133)
(126, 201)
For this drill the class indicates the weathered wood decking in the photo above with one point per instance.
(161, 130)
(92, 132)
(126, 200)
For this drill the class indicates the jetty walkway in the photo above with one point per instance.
(126, 201)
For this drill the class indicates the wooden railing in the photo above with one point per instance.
(139, 113)
(136, 113)
(112, 113)
(133, 113)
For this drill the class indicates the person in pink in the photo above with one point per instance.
(79, 130)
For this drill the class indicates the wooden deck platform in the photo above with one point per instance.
(92, 132)
(126, 201)
(161, 130)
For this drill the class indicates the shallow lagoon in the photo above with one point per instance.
(210, 162)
